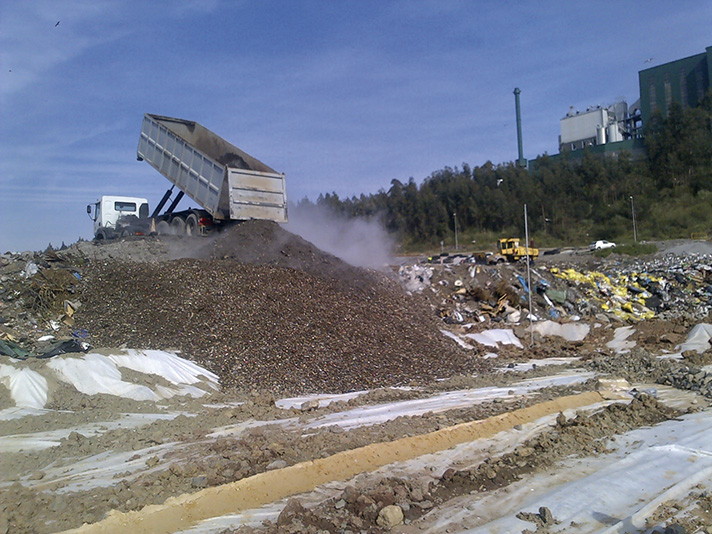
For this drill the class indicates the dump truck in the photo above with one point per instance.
(227, 184)
(511, 249)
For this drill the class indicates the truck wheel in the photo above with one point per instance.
(100, 235)
(163, 228)
(178, 226)
(191, 225)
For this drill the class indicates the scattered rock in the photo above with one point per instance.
(390, 516)
(277, 464)
(201, 481)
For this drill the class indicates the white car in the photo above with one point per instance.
(600, 245)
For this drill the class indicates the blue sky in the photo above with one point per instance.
(342, 96)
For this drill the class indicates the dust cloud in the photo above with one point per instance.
(361, 242)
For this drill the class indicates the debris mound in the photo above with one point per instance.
(266, 309)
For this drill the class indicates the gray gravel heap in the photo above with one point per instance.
(260, 326)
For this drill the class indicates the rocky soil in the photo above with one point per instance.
(273, 316)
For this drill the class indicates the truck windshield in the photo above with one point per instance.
(125, 206)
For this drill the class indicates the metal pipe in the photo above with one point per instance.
(521, 161)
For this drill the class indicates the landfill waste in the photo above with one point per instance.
(12, 349)
(665, 287)
(64, 347)
(38, 298)
(15, 350)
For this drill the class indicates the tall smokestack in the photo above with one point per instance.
(521, 161)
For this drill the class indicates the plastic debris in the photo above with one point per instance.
(64, 347)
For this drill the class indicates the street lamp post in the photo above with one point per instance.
(635, 230)
(454, 218)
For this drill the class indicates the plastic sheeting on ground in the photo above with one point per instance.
(698, 339)
(568, 331)
(450, 400)
(616, 492)
(457, 339)
(95, 373)
(495, 337)
(27, 387)
(620, 342)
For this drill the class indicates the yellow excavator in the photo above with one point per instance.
(511, 249)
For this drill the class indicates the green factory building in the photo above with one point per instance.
(684, 81)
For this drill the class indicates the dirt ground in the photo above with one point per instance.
(274, 317)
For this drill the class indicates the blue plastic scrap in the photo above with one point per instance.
(523, 282)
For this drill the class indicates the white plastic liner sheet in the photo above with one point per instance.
(652, 466)
(698, 340)
(568, 331)
(457, 339)
(27, 387)
(95, 373)
(168, 365)
(450, 400)
(620, 342)
(495, 337)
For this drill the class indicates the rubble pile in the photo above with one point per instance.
(690, 378)
(273, 313)
(667, 287)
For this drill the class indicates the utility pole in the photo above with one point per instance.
(529, 277)
(635, 230)
(454, 218)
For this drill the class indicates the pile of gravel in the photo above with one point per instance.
(292, 319)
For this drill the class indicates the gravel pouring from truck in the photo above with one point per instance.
(227, 183)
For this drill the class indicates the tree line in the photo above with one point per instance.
(670, 191)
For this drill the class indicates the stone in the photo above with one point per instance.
(309, 405)
(277, 464)
(675, 529)
(547, 517)
(200, 481)
(390, 516)
(292, 509)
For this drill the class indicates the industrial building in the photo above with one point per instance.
(609, 130)
(596, 126)
(684, 81)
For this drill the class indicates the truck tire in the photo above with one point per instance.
(100, 235)
(163, 228)
(178, 226)
(192, 228)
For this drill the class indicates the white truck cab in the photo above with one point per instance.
(112, 215)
